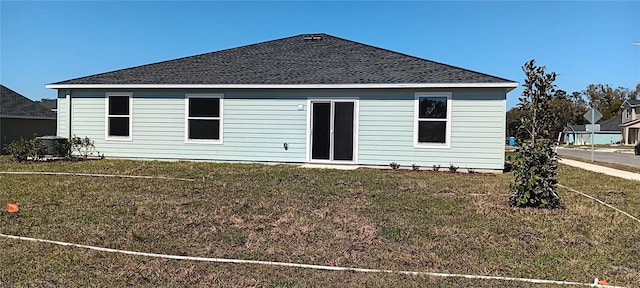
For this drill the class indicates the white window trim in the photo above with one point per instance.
(106, 117)
(447, 143)
(186, 118)
(627, 114)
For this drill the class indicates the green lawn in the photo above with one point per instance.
(401, 220)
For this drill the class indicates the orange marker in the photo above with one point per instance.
(12, 208)
(603, 282)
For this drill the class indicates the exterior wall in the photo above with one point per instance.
(477, 131)
(257, 123)
(630, 134)
(634, 115)
(598, 138)
(253, 131)
(12, 129)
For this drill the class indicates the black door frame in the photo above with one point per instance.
(310, 124)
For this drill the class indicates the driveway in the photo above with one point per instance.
(603, 156)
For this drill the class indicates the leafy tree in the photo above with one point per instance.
(566, 109)
(608, 100)
(536, 164)
(513, 120)
(579, 108)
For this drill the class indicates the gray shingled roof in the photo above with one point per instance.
(633, 102)
(610, 125)
(14, 105)
(294, 60)
(51, 104)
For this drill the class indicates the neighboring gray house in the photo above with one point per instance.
(21, 117)
(609, 133)
(302, 99)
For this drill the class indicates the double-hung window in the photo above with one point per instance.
(203, 113)
(118, 118)
(432, 123)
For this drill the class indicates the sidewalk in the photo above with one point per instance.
(601, 169)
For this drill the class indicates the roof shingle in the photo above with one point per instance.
(325, 59)
(14, 105)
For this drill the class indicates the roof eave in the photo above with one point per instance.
(628, 103)
(633, 122)
(508, 85)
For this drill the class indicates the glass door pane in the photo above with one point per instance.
(343, 131)
(321, 130)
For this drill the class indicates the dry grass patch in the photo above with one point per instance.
(420, 221)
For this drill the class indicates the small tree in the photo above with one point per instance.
(536, 164)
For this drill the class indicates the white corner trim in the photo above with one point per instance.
(283, 86)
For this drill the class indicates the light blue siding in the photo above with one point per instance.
(257, 123)
(584, 138)
(477, 131)
(253, 130)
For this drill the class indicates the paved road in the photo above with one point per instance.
(601, 156)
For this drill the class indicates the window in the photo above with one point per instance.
(432, 120)
(118, 122)
(627, 113)
(203, 118)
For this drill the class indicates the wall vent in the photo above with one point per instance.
(312, 38)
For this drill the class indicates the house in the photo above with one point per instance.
(301, 99)
(51, 104)
(630, 121)
(609, 133)
(21, 117)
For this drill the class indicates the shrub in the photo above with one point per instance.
(62, 149)
(394, 165)
(22, 150)
(415, 167)
(535, 170)
(453, 168)
(508, 167)
(83, 146)
(436, 168)
(536, 164)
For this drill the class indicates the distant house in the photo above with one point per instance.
(21, 117)
(51, 104)
(609, 133)
(302, 99)
(630, 121)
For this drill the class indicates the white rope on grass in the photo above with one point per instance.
(93, 175)
(299, 265)
(600, 201)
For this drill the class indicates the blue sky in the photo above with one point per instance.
(585, 42)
